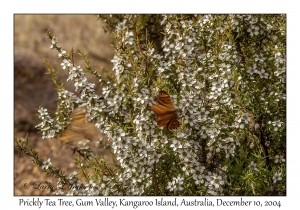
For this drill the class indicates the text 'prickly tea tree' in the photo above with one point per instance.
(196, 107)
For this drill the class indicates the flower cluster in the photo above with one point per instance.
(46, 164)
(47, 126)
(176, 184)
(215, 83)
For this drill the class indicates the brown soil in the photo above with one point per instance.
(34, 88)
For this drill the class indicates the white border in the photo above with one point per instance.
(9, 8)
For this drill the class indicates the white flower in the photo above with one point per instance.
(277, 177)
(46, 164)
(176, 184)
(176, 145)
(61, 53)
(216, 181)
(252, 166)
(54, 40)
(279, 158)
(66, 63)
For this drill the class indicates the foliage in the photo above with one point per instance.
(226, 76)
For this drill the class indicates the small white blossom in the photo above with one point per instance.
(277, 177)
(46, 164)
(252, 166)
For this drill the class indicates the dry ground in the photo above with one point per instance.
(34, 88)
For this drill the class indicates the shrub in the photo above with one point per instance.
(225, 74)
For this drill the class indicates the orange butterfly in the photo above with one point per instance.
(166, 112)
(79, 128)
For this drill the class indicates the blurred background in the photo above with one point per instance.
(34, 88)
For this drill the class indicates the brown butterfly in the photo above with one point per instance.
(79, 128)
(166, 112)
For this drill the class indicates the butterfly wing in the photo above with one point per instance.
(165, 111)
(165, 99)
(173, 124)
(162, 110)
(80, 132)
(79, 128)
(164, 120)
(78, 116)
